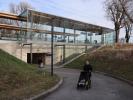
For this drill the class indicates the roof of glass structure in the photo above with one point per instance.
(57, 21)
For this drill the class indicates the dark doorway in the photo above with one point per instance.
(35, 57)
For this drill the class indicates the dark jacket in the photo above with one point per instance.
(87, 68)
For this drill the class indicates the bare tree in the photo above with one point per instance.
(128, 28)
(127, 6)
(128, 12)
(18, 9)
(115, 14)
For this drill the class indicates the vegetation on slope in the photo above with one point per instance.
(116, 60)
(19, 80)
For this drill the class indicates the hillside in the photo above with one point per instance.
(116, 60)
(19, 80)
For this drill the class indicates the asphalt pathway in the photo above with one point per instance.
(103, 88)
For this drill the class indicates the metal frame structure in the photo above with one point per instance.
(31, 17)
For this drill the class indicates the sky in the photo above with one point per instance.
(90, 11)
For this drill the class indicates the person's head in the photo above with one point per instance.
(87, 62)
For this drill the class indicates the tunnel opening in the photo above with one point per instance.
(36, 57)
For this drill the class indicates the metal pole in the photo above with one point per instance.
(31, 53)
(31, 19)
(86, 42)
(64, 33)
(52, 59)
(102, 37)
(64, 53)
(91, 39)
(21, 33)
(64, 44)
(86, 34)
(86, 38)
(68, 38)
(26, 26)
(74, 35)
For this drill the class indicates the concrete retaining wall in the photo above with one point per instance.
(19, 51)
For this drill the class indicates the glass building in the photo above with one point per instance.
(39, 26)
(50, 36)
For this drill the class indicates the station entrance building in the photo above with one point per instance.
(33, 35)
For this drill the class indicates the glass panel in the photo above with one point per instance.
(69, 38)
(38, 25)
(24, 13)
(80, 37)
(96, 38)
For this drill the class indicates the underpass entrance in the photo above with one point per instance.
(35, 57)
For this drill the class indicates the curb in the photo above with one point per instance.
(46, 93)
(116, 77)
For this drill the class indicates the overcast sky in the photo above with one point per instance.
(90, 11)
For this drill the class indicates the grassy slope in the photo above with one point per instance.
(19, 79)
(116, 61)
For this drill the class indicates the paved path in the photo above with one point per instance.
(103, 88)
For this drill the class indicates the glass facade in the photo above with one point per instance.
(37, 27)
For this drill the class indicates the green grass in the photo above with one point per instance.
(71, 57)
(113, 61)
(20, 80)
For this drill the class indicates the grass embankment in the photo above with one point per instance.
(19, 80)
(117, 60)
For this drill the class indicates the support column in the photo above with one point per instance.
(52, 47)
(31, 53)
(102, 36)
(86, 42)
(68, 38)
(21, 35)
(31, 22)
(105, 39)
(86, 38)
(27, 26)
(91, 39)
(114, 37)
(74, 36)
(64, 54)
(64, 31)
(45, 36)
(102, 39)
